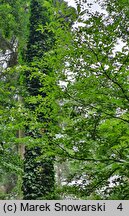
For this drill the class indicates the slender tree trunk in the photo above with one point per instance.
(21, 134)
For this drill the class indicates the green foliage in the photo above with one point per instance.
(38, 42)
(13, 31)
(13, 20)
(38, 180)
(10, 122)
(93, 115)
(76, 109)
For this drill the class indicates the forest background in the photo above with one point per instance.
(64, 96)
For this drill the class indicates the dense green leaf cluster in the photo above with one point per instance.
(13, 22)
(13, 31)
(11, 119)
(38, 180)
(39, 174)
(93, 114)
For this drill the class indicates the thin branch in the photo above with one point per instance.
(111, 115)
(103, 179)
(82, 102)
(113, 81)
(92, 159)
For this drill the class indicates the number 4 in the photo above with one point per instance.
(120, 207)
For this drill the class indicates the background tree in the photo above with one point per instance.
(13, 28)
(38, 181)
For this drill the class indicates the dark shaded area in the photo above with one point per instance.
(39, 176)
(38, 180)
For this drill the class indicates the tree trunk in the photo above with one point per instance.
(38, 180)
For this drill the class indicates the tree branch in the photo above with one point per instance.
(92, 159)
(111, 79)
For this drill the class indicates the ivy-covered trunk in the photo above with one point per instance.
(38, 180)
